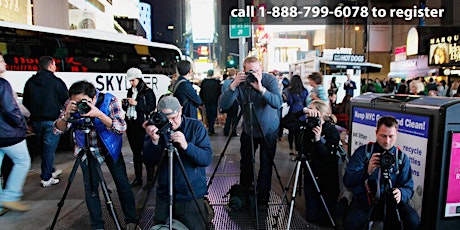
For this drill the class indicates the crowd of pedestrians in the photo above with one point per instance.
(192, 116)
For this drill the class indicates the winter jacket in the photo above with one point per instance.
(12, 123)
(188, 98)
(356, 174)
(146, 101)
(44, 96)
(195, 158)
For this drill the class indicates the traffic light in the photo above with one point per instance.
(231, 63)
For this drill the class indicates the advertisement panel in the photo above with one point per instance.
(452, 206)
(412, 140)
(14, 11)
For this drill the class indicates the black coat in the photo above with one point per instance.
(12, 124)
(146, 101)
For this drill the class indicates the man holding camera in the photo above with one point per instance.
(364, 176)
(189, 137)
(105, 142)
(262, 90)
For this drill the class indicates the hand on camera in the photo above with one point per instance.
(397, 195)
(151, 130)
(178, 137)
(94, 112)
(317, 131)
(239, 78)
(132, 101)
(374, 163)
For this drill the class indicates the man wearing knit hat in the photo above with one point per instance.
(190, 138)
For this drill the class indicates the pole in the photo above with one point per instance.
(241, 42)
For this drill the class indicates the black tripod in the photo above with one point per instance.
(172, 154)
(381, 207)
(85, 127)
(302, 161)
(253, 119)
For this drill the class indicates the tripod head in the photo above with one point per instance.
(82, 123)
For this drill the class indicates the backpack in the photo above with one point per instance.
(174, 89)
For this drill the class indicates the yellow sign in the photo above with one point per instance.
(13, 11)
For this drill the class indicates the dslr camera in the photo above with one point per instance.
(125, 102)
(83, 107)
(160, 121)
(250, 78)
(387, 160)
(313, 122)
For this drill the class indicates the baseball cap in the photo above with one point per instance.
(133, 73)
(169, 102)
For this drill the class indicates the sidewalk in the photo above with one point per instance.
(74, 215)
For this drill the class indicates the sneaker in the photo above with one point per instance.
(16, 206)
(56, 173)
(51, 181)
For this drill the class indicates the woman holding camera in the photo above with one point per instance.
(319, 145)
(140, 102)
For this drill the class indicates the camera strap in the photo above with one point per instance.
(100, 99)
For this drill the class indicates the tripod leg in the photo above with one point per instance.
(108, 200)
(222, 154)
(294, 191)
(189, 185)
(286, 189)
(319, 193)
(69, 182)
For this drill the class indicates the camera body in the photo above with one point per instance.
(387, 160)
(313, 122)
(83, 107)
(160, 121)
(250, 78)
(125, 102)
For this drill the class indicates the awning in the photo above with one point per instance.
(413, 73)
(366, 67)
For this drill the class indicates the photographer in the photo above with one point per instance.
(262, 89)
(140, 102)
(105, 142)
(363, 175)
(190, 138)
(319, 146)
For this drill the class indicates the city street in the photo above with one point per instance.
(74, 215)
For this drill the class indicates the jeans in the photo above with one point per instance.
(211, 114)
(264, 179)
(184, 211)
(91, 181)
(21, 159)
(46, 142)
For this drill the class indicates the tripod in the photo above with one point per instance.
(248, 106)
(172, 153)
(388, 203)
(85, 127)
(302, 161)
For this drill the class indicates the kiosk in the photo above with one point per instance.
(429, 133)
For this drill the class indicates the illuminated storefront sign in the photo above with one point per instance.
(445, 50)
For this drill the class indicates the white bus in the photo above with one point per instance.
(98, 57)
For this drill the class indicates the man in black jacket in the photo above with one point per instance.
(209, 93)
(44, 96)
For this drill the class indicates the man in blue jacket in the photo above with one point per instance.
(262, 89)
(105, 142)
(190, 138)
(364, 175)
(13, 144)
(184, 91)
